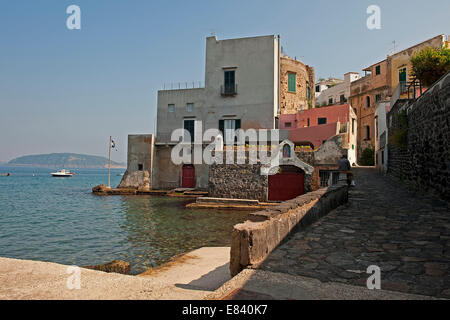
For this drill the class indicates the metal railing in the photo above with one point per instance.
(228, 90)
(183, 85)
(328, 178)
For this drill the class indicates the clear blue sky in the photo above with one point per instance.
(68, 90)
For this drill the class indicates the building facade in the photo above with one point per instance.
(338, 93)
(241, 92)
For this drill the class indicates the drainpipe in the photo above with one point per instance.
(279, 76)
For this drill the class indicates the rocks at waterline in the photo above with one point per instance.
(116, 266)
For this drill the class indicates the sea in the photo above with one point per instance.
(59, 220)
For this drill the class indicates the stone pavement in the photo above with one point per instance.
(407, 235)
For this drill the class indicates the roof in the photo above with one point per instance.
(316, 135)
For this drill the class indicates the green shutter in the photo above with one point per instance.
(291, 82)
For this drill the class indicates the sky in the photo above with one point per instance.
(67, 90)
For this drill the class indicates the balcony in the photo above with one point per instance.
(228, 90)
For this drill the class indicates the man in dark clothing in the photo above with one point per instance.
(345, 167)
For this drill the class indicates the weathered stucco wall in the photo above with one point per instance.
(253, 240)
(139, 162)
(424, 161)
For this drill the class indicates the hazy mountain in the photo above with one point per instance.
(64, 160)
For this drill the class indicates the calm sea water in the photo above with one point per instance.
(60, 220)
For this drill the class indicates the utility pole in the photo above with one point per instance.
(109, 162)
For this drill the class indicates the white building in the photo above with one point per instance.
(338, 93)
(381, 134)
(241, 91)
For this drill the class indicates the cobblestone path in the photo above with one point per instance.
(384, 224)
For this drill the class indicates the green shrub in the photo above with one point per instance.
(368, 157)
(429, 64)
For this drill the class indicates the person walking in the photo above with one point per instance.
(345, 167)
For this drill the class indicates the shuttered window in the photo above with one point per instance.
(291, 82)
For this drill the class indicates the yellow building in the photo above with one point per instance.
(386, 80)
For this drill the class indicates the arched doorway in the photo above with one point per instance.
(188, 176)
(287, 184)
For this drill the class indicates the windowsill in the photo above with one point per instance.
(291, 91)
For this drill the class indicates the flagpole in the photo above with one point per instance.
(109, 163)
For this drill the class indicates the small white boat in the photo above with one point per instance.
(62, 173)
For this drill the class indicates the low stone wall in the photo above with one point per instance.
(253, 240)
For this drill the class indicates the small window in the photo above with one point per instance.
(189, 126)
(353, 126)
(190, 107)
(377, 70)
(287, 124)
(322, 121)
(317, 88)
(291, 82)
(342, 98)
(330, 101)
(378, 97)
(308, 122)
(140, 167)
(367, 102)
(171, 108)
(229, 82)
(367, 133)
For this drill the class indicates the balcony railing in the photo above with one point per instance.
(228, 90)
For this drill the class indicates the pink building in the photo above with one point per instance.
(313, 127)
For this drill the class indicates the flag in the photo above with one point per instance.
(113, 144)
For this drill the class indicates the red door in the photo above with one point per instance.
(188, 176)
(286, 185)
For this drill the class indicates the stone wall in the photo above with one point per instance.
(424, 162)
(240, 181)
(139, 162)
(253, 240)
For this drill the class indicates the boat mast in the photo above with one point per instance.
(109, 163)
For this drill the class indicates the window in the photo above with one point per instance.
(377, 70)
(228, 127)
(287, 124)
(378, 97)
(330, 101)
(308, 122)
(342, 98)
(317, 88)
(308, 92)
(322, 121)
(229, 82)
(190, 107)
(171, 108)
(189, 127)
(368, 102)
(353, 126)
(291, 82)
(367, 133)
(140, 167)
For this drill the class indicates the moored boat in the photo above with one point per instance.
(62, 173)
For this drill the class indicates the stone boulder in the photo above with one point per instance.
(116, 266)
(100, 188)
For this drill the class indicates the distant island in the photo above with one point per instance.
(64, 160)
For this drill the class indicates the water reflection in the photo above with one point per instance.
(157, 228)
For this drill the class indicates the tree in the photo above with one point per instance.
(368, 157)
(429, 64)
